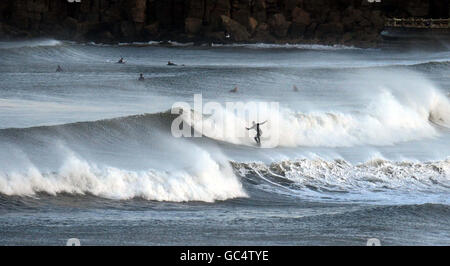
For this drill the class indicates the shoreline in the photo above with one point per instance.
(346, 22)
(198, 41)
(395, 38)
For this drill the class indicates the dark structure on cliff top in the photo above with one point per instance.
(324, 21)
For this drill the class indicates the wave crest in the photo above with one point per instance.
(210, 183)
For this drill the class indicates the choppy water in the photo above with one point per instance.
(362, 148)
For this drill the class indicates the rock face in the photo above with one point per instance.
(356, 22)
(193, 25)
(234, 30)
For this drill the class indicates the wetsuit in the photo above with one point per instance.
(258, 134)
(258, 131)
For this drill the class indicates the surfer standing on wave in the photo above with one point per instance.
(258, 130)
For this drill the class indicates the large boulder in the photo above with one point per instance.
(300, 16)
(137, 10)
(329, 30)
(127, 30)
(352, 18)
(215, 36)
(310, 30)
(278, 25)
(237, 32)
(70, 23)
(192, 25)
(377, 20)
(196, 9)
(300, 21)
(334, 17)
(252, 24)
(262, 33)
(241, 16)
(217, 9)
(151, 30)
(289, 5)
(111, 15)
(259, 10)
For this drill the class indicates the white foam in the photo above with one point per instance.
(399, 110)
(30, 43)
(319, 47)
(209, 182)
(377, 180)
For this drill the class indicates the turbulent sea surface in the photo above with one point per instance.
(363, 148)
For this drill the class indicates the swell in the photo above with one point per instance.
(38, 51)
(161, 120)
(391, 118)
(50, 50)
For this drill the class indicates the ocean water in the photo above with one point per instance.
(361, 150)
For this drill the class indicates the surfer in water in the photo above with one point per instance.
(171, 64)
(258, 130)
(59, 69)
(121, 61)
(141, 77)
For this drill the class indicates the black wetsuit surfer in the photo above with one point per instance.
(141, 77)
(258, 131)
(59, 69)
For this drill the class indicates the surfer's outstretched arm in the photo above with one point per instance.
(253, 127)
(262, 123)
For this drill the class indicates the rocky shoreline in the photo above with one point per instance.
(346, 22)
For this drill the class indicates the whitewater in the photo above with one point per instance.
(364, 142)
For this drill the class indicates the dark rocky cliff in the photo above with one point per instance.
(355, 22)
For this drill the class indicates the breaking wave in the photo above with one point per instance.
(377, 180)
(392, 117)
(210, 182)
